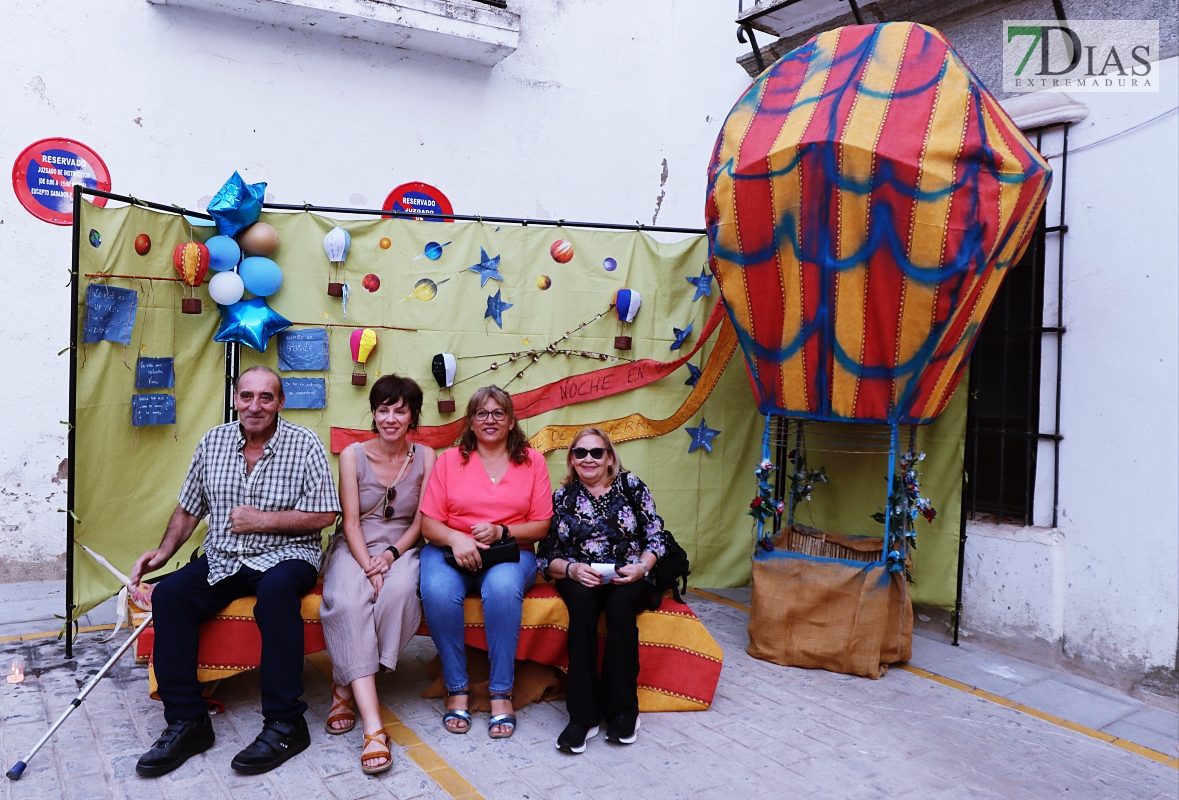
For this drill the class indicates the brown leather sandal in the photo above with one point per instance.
(381, 751)
(341, 711)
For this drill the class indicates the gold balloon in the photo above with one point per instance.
(260, 239)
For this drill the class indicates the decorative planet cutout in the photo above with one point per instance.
(143, 244)
(386, 243)
(544, 282)
(424, 290)
(609, 265)
(95, 238)
(432, 251)
(561, 251)
(371, 283)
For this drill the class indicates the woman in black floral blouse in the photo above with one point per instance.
(603, 518)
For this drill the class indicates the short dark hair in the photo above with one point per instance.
(391, 389)
(260, 368)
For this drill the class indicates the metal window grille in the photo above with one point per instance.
(1003, 419)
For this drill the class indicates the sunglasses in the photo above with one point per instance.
(596, 453)
(390, 496)
(499, 415)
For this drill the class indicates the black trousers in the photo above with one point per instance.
(592, 697)
(183, 600)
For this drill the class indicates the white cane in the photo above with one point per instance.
(19, 767)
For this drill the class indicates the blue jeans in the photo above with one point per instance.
(502, 588)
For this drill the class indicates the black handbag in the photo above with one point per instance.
(505, 551)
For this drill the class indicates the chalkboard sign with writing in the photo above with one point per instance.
(153, 409)
(304, 350)
(304, 392)
(154, 373)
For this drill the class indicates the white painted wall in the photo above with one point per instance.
(1102, 588)
(577, 124)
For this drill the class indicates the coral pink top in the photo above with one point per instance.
(462, 495)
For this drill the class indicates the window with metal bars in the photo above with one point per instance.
(1003, 428)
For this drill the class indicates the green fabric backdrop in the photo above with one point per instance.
(127, 479)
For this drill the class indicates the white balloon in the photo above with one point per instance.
(226, 288)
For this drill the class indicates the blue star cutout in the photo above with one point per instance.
(495, 309)
(681, 336)
(703, 284)
(695, 376)
(702, 436)
(488, 268)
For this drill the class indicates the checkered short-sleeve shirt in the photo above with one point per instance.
(292, 474)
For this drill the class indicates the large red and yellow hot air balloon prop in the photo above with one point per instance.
(866, 197)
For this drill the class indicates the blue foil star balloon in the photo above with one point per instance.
(237, 205)
(251, 322)
(496, 308)
(681, 336)
(702, 436)
(703, 284)
(488, 268)
(694, 376)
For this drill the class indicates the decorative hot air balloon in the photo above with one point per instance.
(363, 341)
(866, 197)
(191, 260)
(336, 244)
(444, 367)
(626, 306)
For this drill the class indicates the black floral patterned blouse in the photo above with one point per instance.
(610, 529)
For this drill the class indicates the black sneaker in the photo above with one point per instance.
(278, 741)
(179, 742)
(574, 737)
(623, 729)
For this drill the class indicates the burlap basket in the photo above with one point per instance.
(837, 614)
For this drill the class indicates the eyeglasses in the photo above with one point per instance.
(596, 453)
(390, 496)
(499, 415)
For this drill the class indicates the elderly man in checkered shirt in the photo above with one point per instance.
(267, 491)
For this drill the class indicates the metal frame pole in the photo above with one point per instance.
(72, 419)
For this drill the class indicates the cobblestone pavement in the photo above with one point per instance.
(771, 732)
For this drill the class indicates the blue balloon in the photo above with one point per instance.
(224, 253)
(237, 205)
(260, 275)
(250, 322)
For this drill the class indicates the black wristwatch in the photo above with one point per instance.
(506, 533)
(396, 553)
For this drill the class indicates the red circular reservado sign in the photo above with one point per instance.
(419, 198)
(46, 172)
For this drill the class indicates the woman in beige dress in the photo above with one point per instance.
(370, 604)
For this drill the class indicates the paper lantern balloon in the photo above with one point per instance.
(251, 322)
(866, 196)
(362, 342)
(626, 304)
(191, 260)
(224, 253)
(261, 276)
(143, 244)
(444, 367)
(336, 244)
(237, 205)
(260, 239)
(561, 251)
(226, 288)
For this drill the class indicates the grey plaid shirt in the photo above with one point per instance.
(292, 474)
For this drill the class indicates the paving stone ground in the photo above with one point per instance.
(771, 732)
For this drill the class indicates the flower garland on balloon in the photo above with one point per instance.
(905, 503)
(764, 507)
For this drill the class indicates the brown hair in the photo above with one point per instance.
(517, 441)
(391, 389)
(614, 468)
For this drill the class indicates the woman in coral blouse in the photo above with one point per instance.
(492, 487)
